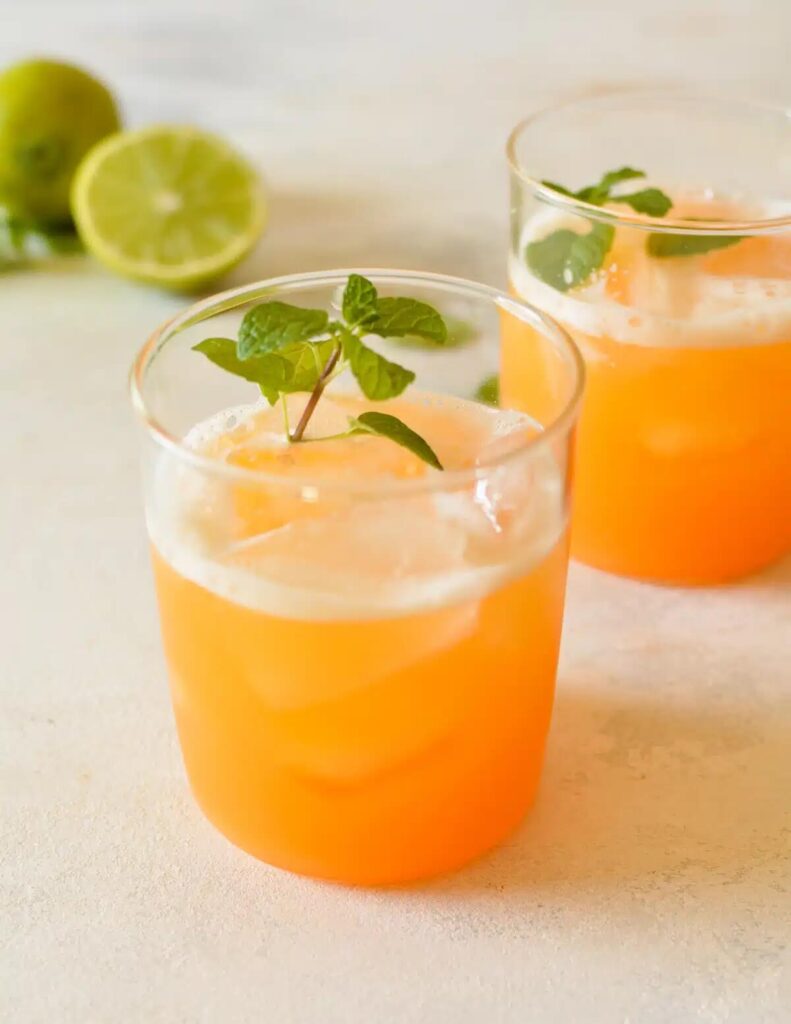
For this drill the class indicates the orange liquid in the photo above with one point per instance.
(683, 467)
(409, 775)
(370, 750)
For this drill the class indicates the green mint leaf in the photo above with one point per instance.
(600, 192)
(622, 174)
(399, 318)
(269, 371)
(460, 333)
(651, 201)
(306, 361)
(378, 377)
(559, 188)
(593, 194)
(270, 326)
(382, 424)
(488, 391)
(271, 394)
(665, 246)
(566, 259)
(359, 301)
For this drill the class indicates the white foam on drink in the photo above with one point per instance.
(675, 309)
(204, 434)
(390, 557)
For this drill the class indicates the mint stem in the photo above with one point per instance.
(316, 394)
(328, 437)
(284, 407)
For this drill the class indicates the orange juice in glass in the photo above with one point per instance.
(682, 310)
(361, 647)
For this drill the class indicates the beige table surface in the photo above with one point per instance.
(651, 884)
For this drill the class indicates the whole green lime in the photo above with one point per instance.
(51, 114)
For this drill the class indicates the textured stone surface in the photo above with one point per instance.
(651, 884)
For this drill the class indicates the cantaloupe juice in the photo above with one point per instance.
(683, 468)
(362, 684)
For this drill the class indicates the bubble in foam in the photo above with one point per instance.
(204, 434)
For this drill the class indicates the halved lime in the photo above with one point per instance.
(171, 205)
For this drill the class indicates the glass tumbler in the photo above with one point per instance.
(683, 316)
(362, 665)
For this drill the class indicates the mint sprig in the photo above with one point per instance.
(286, 349)
(566, 259)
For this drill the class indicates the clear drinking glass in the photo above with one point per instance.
(362, 657)
(683, 465)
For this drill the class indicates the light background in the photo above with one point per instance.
(651, 883)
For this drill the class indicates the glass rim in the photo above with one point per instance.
(630, 218)
(448, 479)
